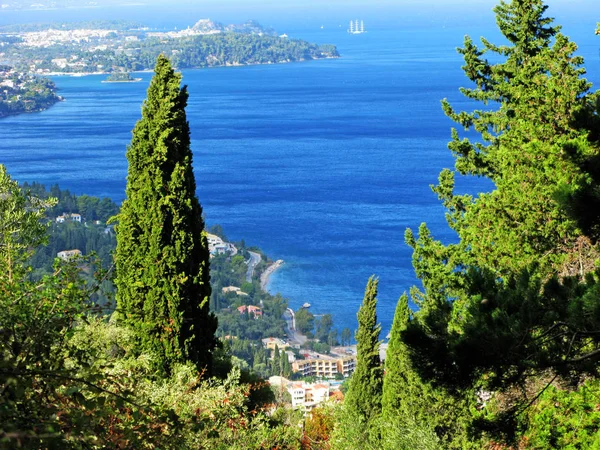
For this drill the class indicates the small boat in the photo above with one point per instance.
(306, 305)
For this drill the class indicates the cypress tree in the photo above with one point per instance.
(162, 257)
(396, 370)
(276, 363)
(364, 393)
(412, 411)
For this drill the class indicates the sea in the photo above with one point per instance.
(323, 164)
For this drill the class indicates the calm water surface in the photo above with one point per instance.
(323, 164)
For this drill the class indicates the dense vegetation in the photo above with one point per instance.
(92, 235)
(72, 376)
(23, 93)
(508, 318)
(220, 49)
(502, 353)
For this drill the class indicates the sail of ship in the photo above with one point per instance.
(355, 28)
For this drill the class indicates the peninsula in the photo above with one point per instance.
(24, 93)
(104, 47)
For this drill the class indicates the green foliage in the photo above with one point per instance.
(88, 239)
(413, 408)
(73, 380)
(364, 395)
(319, 347)
(162, 258)
(362, 403)
(324, 327)
(28, 94)
(564, 419)
(190, 411)
(305, 321)
(403, 433)
(222, 49)
(346, 336)
(352, 431)
(517, 295)
(90, 208)
(397, 366)
(49, 384)
(249, 327)
(21, 227)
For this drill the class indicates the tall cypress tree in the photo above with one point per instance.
(364, 393)
(162, 257)
(413, 412)
(395, 382)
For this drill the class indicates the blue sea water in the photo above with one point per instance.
(323, 164)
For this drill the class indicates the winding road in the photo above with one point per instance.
(294, 336)
(255, 258)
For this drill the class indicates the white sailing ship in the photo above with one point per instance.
(355, 28)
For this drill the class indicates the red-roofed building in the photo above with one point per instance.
(252, 310)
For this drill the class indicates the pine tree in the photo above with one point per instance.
(516, 295)
(531, 147)
(364, 393)
(162, 258)
(538, 148)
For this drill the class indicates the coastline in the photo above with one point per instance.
(217, 66)
(41, 109)
(266, 275)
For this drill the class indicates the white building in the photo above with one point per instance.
(216, 245)
(65, 217)
(306, 396)
(66, 255)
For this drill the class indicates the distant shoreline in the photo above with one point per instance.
(85, 74)
(266, 275)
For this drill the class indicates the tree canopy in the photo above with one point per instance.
(516, 297)
(162, 258)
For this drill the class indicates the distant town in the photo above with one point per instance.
(117, 48)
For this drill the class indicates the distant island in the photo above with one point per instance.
(104, 47)
(121, 77)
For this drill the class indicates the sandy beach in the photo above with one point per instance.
(264, 277)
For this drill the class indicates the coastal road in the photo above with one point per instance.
(255, 258)
(294, 337)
